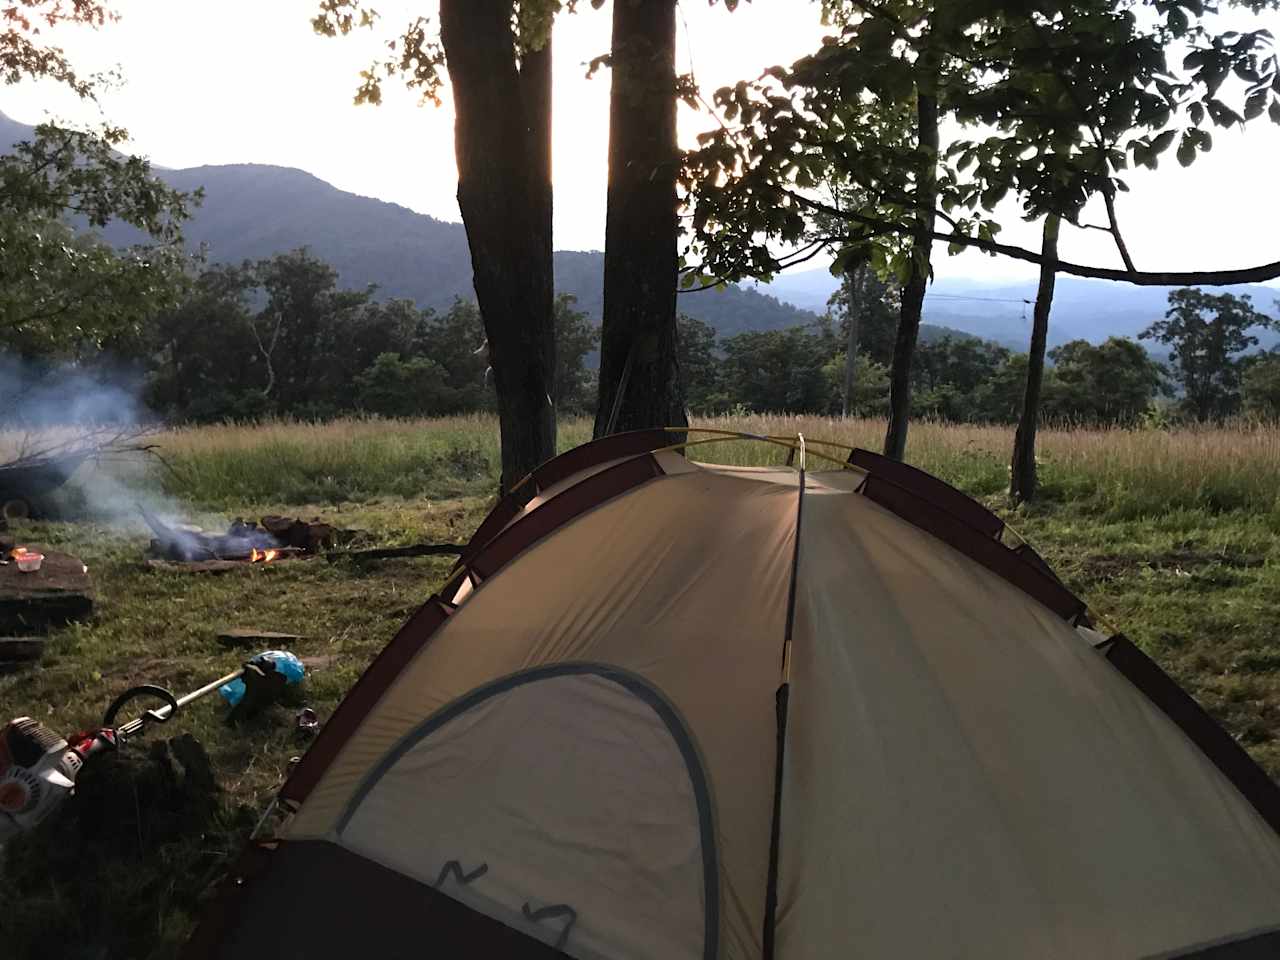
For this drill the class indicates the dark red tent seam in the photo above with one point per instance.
(1214, 742)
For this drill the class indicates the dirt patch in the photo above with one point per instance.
(1202, 558)
(319, 662)
(143, 670)
(1104, 568)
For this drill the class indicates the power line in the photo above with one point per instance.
(953, 296)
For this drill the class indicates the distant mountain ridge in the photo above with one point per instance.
(1001, 311)
(251, 211)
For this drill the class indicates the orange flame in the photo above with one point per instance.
(262, 556)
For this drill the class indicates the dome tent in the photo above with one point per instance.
(665, 709)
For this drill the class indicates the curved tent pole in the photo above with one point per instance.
(782, 701)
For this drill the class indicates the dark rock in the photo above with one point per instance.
(56, 594)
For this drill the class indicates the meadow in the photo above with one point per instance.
(1171, 536)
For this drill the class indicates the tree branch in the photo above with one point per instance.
(1193, 278)
(1173, 278)
(1109, 195)
(813, 249)
(268, 351)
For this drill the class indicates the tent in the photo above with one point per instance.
(665, 710)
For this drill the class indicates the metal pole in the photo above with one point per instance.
(136, 725)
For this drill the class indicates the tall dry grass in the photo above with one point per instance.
(1122, 471)
(1117, 472)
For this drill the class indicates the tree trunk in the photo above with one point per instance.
(904, 347)
(503, 146)
(857, 291)
(1022, 473)
(535, 84)
(639, 369)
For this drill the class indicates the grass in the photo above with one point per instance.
(1119, 474)
(1171, 536)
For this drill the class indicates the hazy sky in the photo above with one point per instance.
(247, 81)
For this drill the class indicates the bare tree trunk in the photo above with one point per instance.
(1022, 474)
(639, 369)
(535, 83)
(904, 347)
(857, 293)
(502, 141)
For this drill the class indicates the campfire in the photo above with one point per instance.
(267, 540)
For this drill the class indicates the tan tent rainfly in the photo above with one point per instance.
(672, 711)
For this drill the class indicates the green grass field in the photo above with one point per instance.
(1170, 536)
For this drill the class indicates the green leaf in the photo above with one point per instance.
(1222, 115)
(1186, 150)
(1256, 103)
(874, 38)
(993, 195)
(1162, 143)
(1213, 80)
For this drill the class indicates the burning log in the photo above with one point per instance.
(192, 546)
(309, 535)
(277, 538)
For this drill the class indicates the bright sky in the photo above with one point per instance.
(248, 81)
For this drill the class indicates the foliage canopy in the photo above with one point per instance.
(1066, 96)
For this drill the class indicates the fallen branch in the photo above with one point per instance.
(392, 553)
(247, 637)
(88, 443)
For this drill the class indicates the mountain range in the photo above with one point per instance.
(251, 211)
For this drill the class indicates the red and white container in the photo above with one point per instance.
(28, 560)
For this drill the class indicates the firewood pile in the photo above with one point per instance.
(45, 459)
(309, 536)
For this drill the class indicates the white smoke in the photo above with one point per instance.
(39, 396)
(91, 422)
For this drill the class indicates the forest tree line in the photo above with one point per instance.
(1214, 369)
(281, 337)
